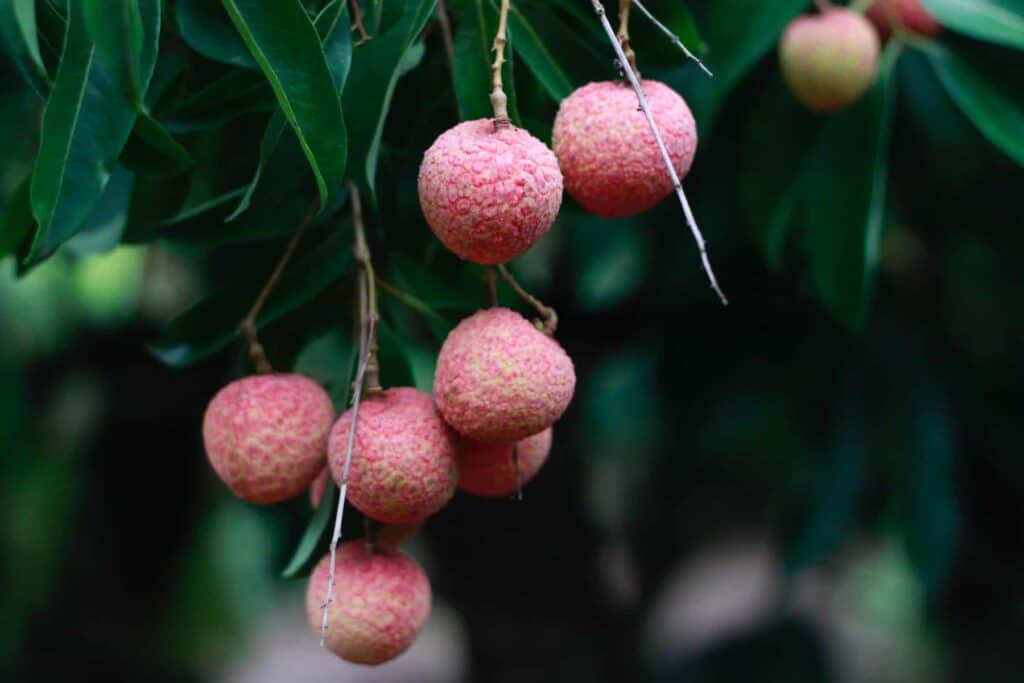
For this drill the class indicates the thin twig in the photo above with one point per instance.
(672, 36)
(642, 98)
(409, 300)
(357, 22)
(548, 316)
(824, 5)
(248, 325)
(499, 101)
(623, 34)
(491, 284)
(362, 256)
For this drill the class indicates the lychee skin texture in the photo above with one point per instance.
(266, 435)
(380, 602)
(404, 464)
(500, 379)
(608, 154)
(489, 194)
(829, 60)
(910, 14)
(489, 469)
(389, 534)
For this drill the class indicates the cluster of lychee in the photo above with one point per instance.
(830, 59)
(489, 190)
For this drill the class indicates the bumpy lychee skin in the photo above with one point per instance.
(404, 464)
(380, 602)
(909, 14)
(608, 154)
(499, 379)
(489, 193)
(388, 534)
(489, 468)
(829, 60)
(266, 435)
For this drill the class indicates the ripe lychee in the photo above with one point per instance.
(266, 435)
(500, 379)
(388, 534)
(404, 464)
(607, 152)
(829, 60)
(489, 192)
(380, 602)
(909, 14)
(490, 468)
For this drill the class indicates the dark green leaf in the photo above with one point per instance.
(537, 57)
(102, 230)
(310, 541)
(207, 29)
(285, 44)
(212, 324)
(610, 260)
(18, 35)
(85, 125)
(367, 97)
(988, 93)
(16, 218)
(235, 94)
(995, 21)
(148, 133)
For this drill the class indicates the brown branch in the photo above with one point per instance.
(491, 284)
(548, 316)
(357, 22)
(368, 280)
(248, 325)
(499, 100)
(623, 34)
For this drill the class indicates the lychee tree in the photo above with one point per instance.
(382, 172)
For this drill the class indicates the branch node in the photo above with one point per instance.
(548, 323)
(499, 100)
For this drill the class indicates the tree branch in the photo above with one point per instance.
(673, 37)
(499, 101)
(548, 316)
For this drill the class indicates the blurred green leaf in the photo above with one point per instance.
(285, 44)
(989, 94)
(153, 149)
(995, 21)
(472, 64)
(305, 551)
(610, 259)
(537, 57)
(206, 28)
(330, 359)
(229, 97)
(16, 218)
(126, 34)
(85, 125)
(18, 36)
(212, 324)
(101, 232)
(372, 81)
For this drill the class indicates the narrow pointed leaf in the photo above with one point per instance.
(994, 21)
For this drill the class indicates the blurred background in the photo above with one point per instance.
(822, 482)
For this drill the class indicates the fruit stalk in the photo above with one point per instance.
(623, 34)
(548, 316)
(357, 21)
(248, 325)
(499, 101)
(691, 221)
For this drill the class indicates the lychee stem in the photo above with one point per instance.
(491, 284)
(548, 316)
(672, 36)
(824, 5)
(691, 221)
(623, 34)
(519, 476)
(410, 300)
(357, 21)
(367, 279)
(499, 101)
(371, 528)
(248, 325)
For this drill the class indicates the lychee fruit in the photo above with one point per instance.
(829, 60)
(498, 378)
(266, 435)
(608, 153)
(380, 602)
(404, 464)
(489, 192)
(909, 14)
(490, 468)
(389, 534)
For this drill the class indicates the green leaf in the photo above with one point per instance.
(153, 136)
(16, 218)
(537, 57)
(104, 227)
(235, 94)
(842, 200)
(310, 541)
(610, 261)
(472, 64)
(367, 97)
(994, 21)
(285, 44)
(212, 324)
(988, 94)
(18, 35)
(85, 126)
(206, 28)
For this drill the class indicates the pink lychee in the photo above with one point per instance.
(490, 468)
(404, 464)
(500, 379)
(380, 602)
(389, 534)
(266, 435)
(607, 152)
(489, 193)
(829, 60)
(908, 14)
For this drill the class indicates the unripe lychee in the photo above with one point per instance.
(380, 602)
(388, 534)
(829, 60)
(500, 379)
(266, 435)
(909, 14)
(489, 193)
(404, 464)
(608, 154)
(490, 468)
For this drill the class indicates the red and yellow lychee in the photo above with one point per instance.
(380, 602)
(607, 151)
(489, 192)
(908, 14)
(498, 378)
(501, 468)
(404, 464)
(266, 435)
